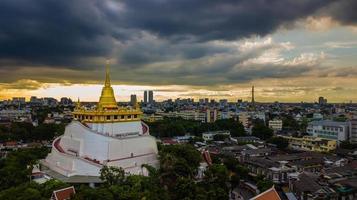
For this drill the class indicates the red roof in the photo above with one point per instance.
(269, 194)
(169, 141)
(207, 157)
(63, 194)
(10, 143)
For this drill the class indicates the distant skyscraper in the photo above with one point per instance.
(145, 96)
(151, 96)
(353, 130)
(253, 101)
(133, 99)
(206, 100)
(322, 101)
(66, 101)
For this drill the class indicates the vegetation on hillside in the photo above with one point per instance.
(170, 127)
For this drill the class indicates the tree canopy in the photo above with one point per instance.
(170, 127)
(281, 143)
(262, 131)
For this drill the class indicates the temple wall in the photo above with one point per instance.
(135, 161)
(132, 147)
(100, 147)
(85, 168)
(90, 144)
(117, 128)
(129, 153)
(60, 163)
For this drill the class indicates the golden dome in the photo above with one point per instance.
(107, 98)
(107, 110)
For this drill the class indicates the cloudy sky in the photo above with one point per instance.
(290, 50)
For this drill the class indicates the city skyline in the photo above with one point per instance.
(290, 51)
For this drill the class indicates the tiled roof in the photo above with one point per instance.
(269, 194)
(63, 194)
(262, 162)
(307, 182)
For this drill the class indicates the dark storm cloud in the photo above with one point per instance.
(344, 11)
(59, 32)
(51, 32)
(215, 19)
(143, 34)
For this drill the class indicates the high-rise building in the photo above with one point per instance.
(36, 101)
(151, 96)
(206, 100)
(253, 101)
(353, 130)
(133, 99)
(18, 100)
(65, 101)
(145, 96)
(223, 102)
(322, 101)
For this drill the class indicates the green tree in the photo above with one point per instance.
(280, 142)
(261, 131)
(23, 192)
(234, 180)
(220, 137)
(235, 127)
(347, 145)
(217, 173)
(16, 168)
(263, 183)
(290, 123)
(112, 175)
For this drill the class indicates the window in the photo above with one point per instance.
(135, 116)
(122, 117)
(108, 117)
(115, 116)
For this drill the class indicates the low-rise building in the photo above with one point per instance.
(152, 117)
(205, 116)
(311, 143)
(208, 136)
(307, 187)
(274, 171)
(327, 129)
(276, 124)
(16, 115)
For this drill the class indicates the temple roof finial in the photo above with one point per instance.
(107, 98)
(78, 104)
(107, 75)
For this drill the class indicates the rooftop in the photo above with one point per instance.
(270, 194)
(328, 123)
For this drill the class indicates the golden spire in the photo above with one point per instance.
(78, 104)
(107, 76)
(107, 98)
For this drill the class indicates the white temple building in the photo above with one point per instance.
(108, 135)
